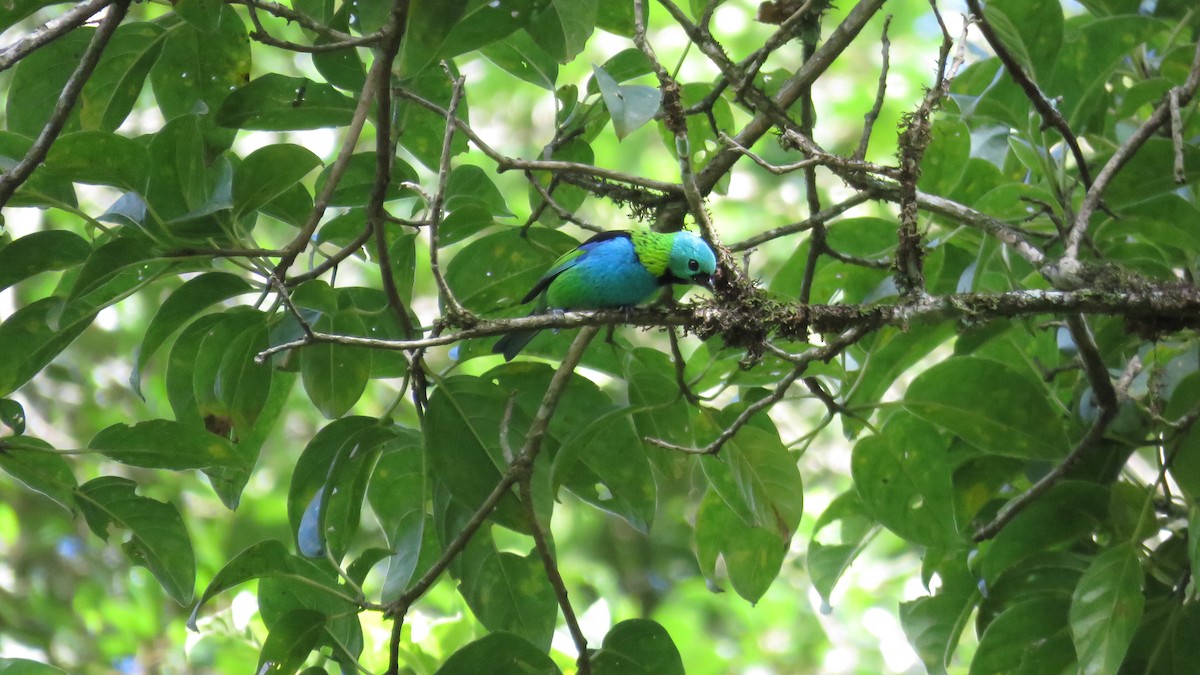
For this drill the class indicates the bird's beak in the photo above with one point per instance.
(703, 279)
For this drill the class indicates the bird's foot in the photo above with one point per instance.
(558, 314)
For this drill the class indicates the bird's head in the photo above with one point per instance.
(691, 260)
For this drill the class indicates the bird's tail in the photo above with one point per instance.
(511, 344)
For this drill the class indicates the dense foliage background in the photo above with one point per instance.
(939, 412)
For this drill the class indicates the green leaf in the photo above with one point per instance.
(334, 375)
(497, 270)
(397, 494)
(38, 79)
(180, 182)
(636, 647)
(193, 297)
(202, 14)
(242, 383)
(228, 483)
(630, 105)
(163, 444)
(229, 388)
(521, 57)
(828, 562)
(27, 667)
(158, 539)
(753, 555)
(267, 173)
(39, 252)
(562, 27)
(755, 474)
(622, 67)
(329, 482)
(499, 654)
(265, 559)
(470, 185)
(41, 189)
(422, 131)
(181, 369)
(291, 639)
(616, 17)
(903, 477)
(935, 622)
(485, 22)
(943, 161)
(198, 67)
(1068, 512)
(107, 261)
(429, 22)
(100, 158)
(117, 82)
(1021, 637)
(12, 415)
(861, 237)
(343, 68)
(12, 11)
(354, 189)
(34, 326)
(599, 457)
(1031, 30)
(659, 411)
(276, 102)
(1011, 415)
(506, 591)
(568, 197)
(462, 443)
(1107, 608)
(39, 467)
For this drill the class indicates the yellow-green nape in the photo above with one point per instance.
(653, 250)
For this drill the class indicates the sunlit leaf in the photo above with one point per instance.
(277, 102)
(163, 444)
(158, 539)
(500, 654)
(1009, 416)
(1106, 609)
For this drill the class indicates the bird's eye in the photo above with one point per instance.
(693, 265)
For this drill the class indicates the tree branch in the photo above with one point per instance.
(13, 179)
(520, 466)
(50, 31)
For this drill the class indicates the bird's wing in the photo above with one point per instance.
(570, 259)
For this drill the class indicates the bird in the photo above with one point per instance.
(615, 269)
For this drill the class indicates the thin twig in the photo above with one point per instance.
(541, 543)
(521, 465)
(506, 163)
(768, 112)
(880, 92)
(295, 15)
(1091, 200)
(453, 309)
(15, 177)
(822, 217)
(1093, 362)
(1050, 115)
(336, 171)
(333, 260)
(260, 34)
(817, 353)
(50, 31)
(385, 155)
(1177, 136)
(1043, 485)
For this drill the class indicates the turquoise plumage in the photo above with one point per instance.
(615, 269)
